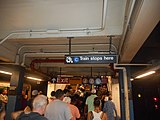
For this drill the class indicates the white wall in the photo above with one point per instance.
(116, 95)
(54, 87)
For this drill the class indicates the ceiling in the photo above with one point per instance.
(48, 30)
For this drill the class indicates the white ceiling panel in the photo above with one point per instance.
(39, 29)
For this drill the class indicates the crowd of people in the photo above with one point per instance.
(63, 105)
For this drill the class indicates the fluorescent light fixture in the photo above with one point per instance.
(146, 74)
(131, 79)
(4, 72)
(34, 78)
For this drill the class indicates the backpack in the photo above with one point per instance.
(29, 116)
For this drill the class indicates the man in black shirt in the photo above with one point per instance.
(39, 106)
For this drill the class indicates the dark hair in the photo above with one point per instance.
(53, 93)
(97, 102)
(59, 93)
(65, 91)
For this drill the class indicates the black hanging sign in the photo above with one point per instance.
(91, 59)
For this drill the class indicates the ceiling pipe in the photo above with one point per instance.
(21, 33)
(73, 44)
(17, 59)
(104, 11)
(53, 31)
(32, 65)
(126, 25)
(33, 54)
(54, 53)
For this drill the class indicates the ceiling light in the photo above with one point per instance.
(131, 79)
(34, 78)
(4, 72)
(145, 74)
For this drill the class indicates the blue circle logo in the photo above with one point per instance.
(76, 59)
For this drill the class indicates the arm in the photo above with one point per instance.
(2, 115)
(89, 116)
(16, 114)
(4, 99)
(114, 107)
(85, 109)
(77, 113)
(105, 107)
(104, 116)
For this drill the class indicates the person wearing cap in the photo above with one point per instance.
(58, 110)
(89, 102)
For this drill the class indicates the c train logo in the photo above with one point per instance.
(76, 59)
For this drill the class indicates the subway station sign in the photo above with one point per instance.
(90, 59)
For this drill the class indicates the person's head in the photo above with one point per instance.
(67, 100)
(66, 92)
(39, 104)
(34, 93)
(59, 94)
(5, 91)
(23, 92)
(110, 97)
(93, 91)
(97, 102)
(53, 93)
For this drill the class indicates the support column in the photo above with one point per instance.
(125, 81)
(121, 86)
(15, 91)
(124, 93)
(130, 94)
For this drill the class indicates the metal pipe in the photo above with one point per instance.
(70, 45)
(101, 28)
(126, 98)
(73, 44)
(110, 42)
(122, 65)
(126, 26)
(49, 53)
(38, 45)
(45, 61)
(104, 10)
(19, 33)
